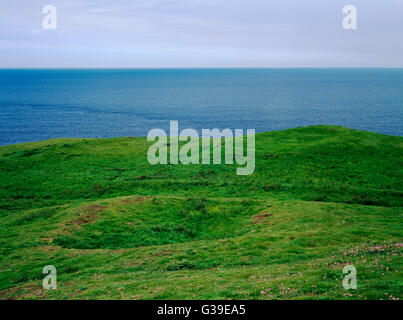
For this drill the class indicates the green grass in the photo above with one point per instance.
(116, 227)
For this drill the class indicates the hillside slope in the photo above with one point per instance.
(116, 227)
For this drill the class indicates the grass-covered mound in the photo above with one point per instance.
(114, 226)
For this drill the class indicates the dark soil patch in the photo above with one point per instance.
(260, 217)
(89, 214)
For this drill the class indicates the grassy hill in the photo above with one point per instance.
(114, 226)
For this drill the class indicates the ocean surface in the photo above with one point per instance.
(43, 104)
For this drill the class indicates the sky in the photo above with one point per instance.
(200, 34)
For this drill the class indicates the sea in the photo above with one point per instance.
(38, 104)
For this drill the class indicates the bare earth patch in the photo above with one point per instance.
(261, 216)
(138, 199)
(89, 214)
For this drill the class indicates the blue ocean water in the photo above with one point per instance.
(42, 104)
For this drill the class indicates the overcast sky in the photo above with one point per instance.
(200, 33)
